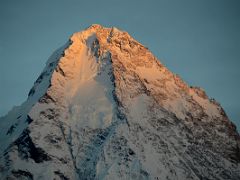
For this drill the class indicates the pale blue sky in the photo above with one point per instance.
(197, 39)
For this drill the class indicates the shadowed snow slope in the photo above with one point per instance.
(105, 108)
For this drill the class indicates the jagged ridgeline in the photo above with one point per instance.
(105, 107)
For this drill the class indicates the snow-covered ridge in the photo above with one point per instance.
(106, 108)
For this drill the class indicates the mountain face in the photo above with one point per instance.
(104, 107)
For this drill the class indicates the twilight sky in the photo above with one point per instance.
(197, 39)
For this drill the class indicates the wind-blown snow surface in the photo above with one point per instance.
(106, 108)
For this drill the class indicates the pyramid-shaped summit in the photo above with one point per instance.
(105, 107)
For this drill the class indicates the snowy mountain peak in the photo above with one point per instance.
(104, 107)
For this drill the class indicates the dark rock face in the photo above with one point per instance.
(20, 174)
(27, 149)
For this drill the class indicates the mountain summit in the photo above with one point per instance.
(105, 107)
